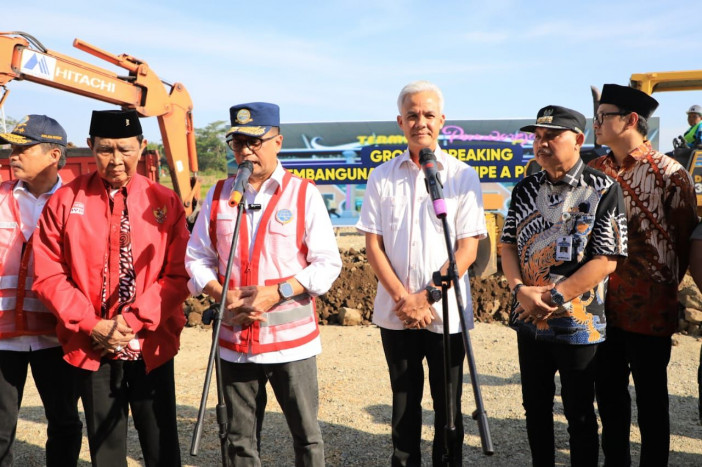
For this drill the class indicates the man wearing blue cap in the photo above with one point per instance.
(27, 327)
(286, 255)
(110, 249)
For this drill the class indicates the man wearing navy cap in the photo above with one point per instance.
(27, 327)
(286, 255)
(642, 301)
(563, 234)
(110, 252)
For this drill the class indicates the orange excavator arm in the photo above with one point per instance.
(22, 57)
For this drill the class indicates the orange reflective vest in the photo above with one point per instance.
(278, 254)
(21, 312)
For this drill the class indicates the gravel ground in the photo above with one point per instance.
(355, 405)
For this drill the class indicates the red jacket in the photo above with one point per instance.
(71, 248)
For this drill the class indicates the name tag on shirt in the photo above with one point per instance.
(564, 248)
(8, 225)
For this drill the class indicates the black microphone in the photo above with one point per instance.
(432, 180)
(242, 178)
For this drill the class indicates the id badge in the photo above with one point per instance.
(564, 248)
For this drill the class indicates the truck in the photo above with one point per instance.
(24, 58)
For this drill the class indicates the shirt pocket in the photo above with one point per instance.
(8, 232)
(582, 228)
(224, 229)
(394, 212)
(283, 238)
(451, 214)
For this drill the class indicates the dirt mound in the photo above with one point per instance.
(356, 286)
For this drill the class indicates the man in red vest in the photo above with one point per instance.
(27, 328)
(110, 248)
(286, 254)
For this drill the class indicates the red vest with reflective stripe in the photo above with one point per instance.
(278, 254)
(21, 312)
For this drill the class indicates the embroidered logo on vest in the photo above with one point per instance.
(284, 216)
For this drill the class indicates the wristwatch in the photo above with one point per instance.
(433, 294)
(557, 297)
(515, 290)
(285, 290)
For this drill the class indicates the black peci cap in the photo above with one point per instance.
(629, 98)
(115, 124)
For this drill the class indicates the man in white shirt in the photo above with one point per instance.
(286, 254)
(27, 328)
(405, 245)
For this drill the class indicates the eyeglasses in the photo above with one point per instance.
(254, 144)
(599, 117)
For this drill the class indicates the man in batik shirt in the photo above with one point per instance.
(642, 302)
(564, 232)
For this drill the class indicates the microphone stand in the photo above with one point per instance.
(217, 311)
(479, 414)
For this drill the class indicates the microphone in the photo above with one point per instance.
(427, 160)
(242, 178)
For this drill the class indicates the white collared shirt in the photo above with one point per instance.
(323, 254)
(30, 208)
(397, 207)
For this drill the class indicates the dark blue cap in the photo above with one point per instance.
(35, 129)
(253, 119)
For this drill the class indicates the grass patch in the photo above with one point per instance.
(207, 179)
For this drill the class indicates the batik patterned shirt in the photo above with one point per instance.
(557, 228)
(661, 213)
(127, 278)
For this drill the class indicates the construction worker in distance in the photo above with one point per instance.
(27, 327)
(693, 136)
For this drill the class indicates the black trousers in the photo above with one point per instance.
(110, 392)
(538, 363)
(646, 359)
(404, 352)
(56, 382)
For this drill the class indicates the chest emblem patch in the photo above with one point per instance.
(284, 216)
(160, 214)
(78, 208)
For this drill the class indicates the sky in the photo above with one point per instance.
(348, 60)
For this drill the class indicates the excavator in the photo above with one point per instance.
(23, 57)
(668, 81)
